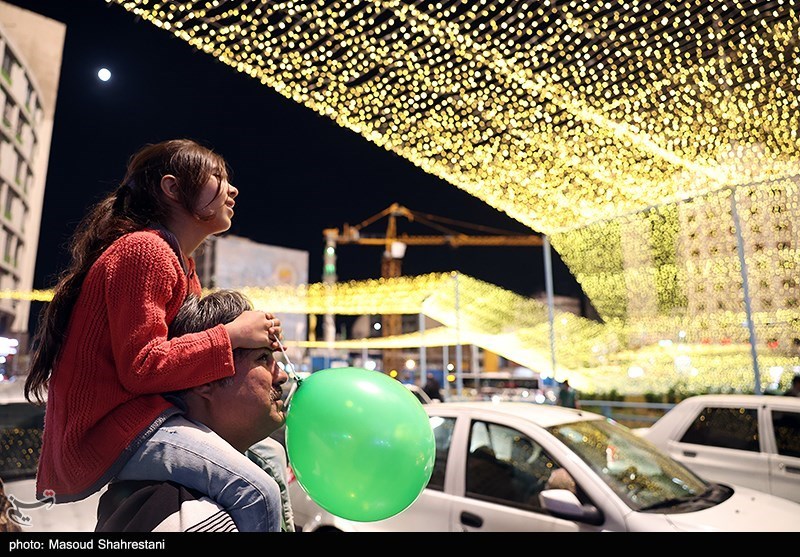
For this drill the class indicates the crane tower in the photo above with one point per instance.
(394, 251)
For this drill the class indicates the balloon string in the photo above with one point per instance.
(289, 365)
(289, 368)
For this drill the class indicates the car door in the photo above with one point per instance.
(723, 443)
(784, 451)
(494, 482)
(430, 512)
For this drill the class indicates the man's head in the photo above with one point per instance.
(247, 407)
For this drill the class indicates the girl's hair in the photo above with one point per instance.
(137, 203)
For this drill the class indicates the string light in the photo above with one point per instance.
(620, 130)
(557, 113)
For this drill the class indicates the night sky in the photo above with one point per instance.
(297, 172)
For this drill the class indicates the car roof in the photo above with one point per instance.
(742, 399)
(543, 415)
(419, 391)
(12, 391)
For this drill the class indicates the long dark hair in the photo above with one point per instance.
(137, 203)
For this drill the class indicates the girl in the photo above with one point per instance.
(102, 353)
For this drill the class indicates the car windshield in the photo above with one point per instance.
(637, 471)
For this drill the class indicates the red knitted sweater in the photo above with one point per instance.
(104, 388)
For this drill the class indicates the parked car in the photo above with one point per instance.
(749, 440)
(515, 466)
(21, 438)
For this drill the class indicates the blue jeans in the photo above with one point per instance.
(192, 455)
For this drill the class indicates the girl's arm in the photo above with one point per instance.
(144, 288)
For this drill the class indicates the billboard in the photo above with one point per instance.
(239, 262)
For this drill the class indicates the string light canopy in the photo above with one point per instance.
(595, 356)
(656, 143)
(559, 113)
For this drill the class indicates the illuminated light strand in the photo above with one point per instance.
(575, 119)
(518, 329)
(648, 101)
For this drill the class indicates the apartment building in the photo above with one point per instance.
(31, 48)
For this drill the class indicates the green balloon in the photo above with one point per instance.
(359, 442)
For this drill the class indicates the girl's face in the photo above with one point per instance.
(215, 203)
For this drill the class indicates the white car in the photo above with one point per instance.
(515, 466)
(749, 440)
(417, 391)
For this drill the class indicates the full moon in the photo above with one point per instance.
(104, 74)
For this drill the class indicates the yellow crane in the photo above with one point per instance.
(394, 251)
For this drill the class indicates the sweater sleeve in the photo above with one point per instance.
(144, 288)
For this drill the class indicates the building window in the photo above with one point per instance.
(20, 127)
(9, 204)
(7, 250)
(18, 171)
(28, 96)
(8, 63)
(8, 113)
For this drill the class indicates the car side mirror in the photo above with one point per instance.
(562, 503)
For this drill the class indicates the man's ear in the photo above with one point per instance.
(169, 185)
(203, 391)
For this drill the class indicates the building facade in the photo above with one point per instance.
(31, 48)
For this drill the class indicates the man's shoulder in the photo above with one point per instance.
(266, 451)
(144, 506)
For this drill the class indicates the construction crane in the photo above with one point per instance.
(394, 250)
(394, 243)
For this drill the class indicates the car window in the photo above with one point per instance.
(422, 397)
(20, 440)
(639, 473)
(730, 428)
(419, 397)
(506, 466)
(787, 432)
(443, 435)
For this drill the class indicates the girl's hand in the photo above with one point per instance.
(255, 329)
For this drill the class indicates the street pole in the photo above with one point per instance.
(459, 373)
(746, 287)
(329, 280)
(423, 360)
(445, 361)
(548, 278)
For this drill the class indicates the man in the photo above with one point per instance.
(794, 390)
(432, 388)
(243, 410)
(567, 396)
(270, 455)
